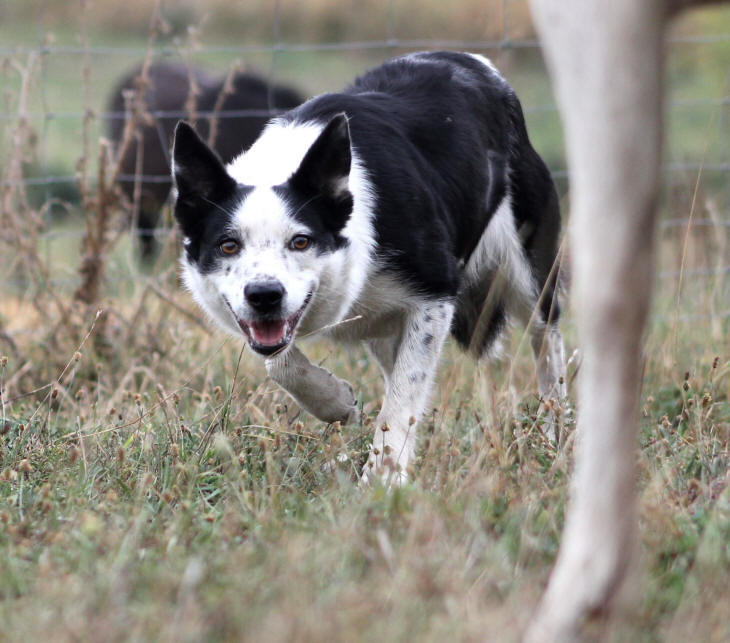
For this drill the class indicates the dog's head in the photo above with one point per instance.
(255, 254)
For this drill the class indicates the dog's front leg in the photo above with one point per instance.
(315, 389)
(407, 390)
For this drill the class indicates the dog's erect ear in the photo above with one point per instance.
(197, 171)
(325, 168)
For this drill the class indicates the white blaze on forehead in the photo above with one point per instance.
(263, 216)
(276, 155)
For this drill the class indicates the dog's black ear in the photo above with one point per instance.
(197, 171)
(325, 169)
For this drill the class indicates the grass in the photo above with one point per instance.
(179, 500)
(155, 485)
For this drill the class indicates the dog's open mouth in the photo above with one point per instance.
(269, 336)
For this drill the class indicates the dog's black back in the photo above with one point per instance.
(444, 142)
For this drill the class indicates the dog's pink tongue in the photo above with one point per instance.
(269, 333)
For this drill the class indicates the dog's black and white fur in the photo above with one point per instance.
(406, 207)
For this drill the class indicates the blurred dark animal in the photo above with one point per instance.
(606, 61)
(239, 105)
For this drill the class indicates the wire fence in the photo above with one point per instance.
(696, 209)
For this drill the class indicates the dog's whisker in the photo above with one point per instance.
(305, 204)
(216, 205)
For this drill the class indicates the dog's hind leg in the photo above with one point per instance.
(412, 365)
(549, 350)
(315, 389)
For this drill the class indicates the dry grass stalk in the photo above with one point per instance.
(227, 89)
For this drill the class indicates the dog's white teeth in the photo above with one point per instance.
(269, 333)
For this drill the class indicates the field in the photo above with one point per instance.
(155, 485)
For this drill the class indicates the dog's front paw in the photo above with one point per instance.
(315, 389)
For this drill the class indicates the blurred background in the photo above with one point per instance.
(60, 61)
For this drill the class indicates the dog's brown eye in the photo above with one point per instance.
(229, 247)
(300, 242)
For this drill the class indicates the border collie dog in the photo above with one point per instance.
(405, 208)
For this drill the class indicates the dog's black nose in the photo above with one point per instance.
(264, 296)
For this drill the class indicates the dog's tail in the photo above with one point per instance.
(480, 315)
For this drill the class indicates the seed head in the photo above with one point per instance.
(9, 475)
(715, 362)
(3, 361)
(25, 466)
(385, 428)
(77, 356)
